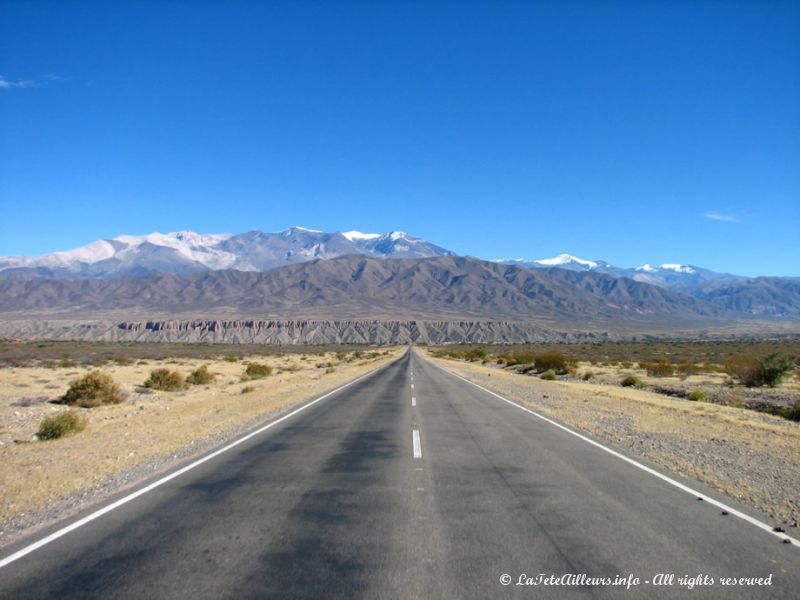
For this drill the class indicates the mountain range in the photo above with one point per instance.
(303, 273)
(184, 252)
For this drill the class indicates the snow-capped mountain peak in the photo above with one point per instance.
(675, 267)
(357, 235)
(564, 259)
(678, 268)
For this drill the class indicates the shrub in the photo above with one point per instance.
(696, 396)
(774, 368)
(587, 375)
(122, 361)
(64, 423)
(551, 361)
(632, 381)
(66, 363)
(201, 376)
(687, 368)
(230, 358)
(475, 354)
(247, 389)
(329, 370)
(744, 369)
(754, 372)
(165, 380)
(256, 370)
(92, 390)
(792, 412)
(548, 375)
(660, 367)
(521, 357)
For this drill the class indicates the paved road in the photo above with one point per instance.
(331, 503)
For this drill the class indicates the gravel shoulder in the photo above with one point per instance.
(750, 456)
(150, 433)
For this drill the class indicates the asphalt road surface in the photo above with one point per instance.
(345, 500)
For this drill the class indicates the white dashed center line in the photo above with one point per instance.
(416, 443)
(413, 400)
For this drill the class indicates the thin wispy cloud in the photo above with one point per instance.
(8, 83)
(715, 215)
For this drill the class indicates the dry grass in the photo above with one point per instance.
(150, 424)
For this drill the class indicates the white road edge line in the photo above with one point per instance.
(413, 400)
(646, 469)
(99, 513)
(416, 443)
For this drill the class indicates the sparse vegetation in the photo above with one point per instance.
(551, 361)
(247, 389)
(330, 370)
(632, 381)
(201, 376)
(753, 372)
(61, 424)
(475, 354)
(256, 370)
(548, 375)
(659, 367)
(92, 390)
(696, 396)
(165, 381)
(587, 375)
(792, 412)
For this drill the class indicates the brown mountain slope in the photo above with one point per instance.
(356, 287)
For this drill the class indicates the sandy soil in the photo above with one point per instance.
(750, 456)
(149, 425)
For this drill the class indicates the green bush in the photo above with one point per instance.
(754, 372)
(475, 354)
(696, 396)
(744, 369)
(552, 360)
(632, 381)
(792, 412)
(256, 370)
(92, 390)
(548, 375)
(201, 376)
(660, 367)
(774, 368)
(165, 380)
(61, 424)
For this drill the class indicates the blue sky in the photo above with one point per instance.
(631, 132)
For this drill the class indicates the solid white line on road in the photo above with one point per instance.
(416, 444)
(99, 513)
(646, 469)
(413, 400)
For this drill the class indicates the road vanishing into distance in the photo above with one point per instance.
(408, 483)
